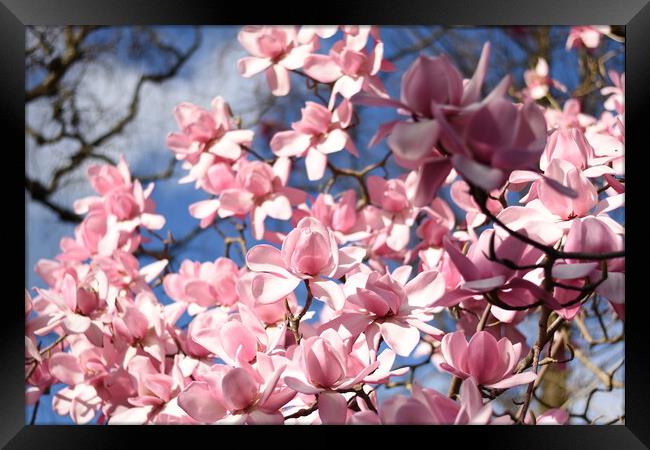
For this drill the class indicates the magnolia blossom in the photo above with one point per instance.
(204, 284)
(259, 190)
(586, 36)
(489, 362)
(595, 236)
(349, 66)
(429, 407)
(484, 139)
(398, 212)
(206, 138)
(570, 116)
(247, 394)
(122, 205)
(276, 51)
(389, 306)
(481, 275)
(322, 363)
(317, 134)
(308, 253)
(538, 81)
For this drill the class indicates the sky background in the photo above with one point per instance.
(212, 71)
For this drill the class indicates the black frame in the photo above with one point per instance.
(633, 14)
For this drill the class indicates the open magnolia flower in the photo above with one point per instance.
(483, 139)
(388, 306)
(275, 51)
(429, 407)
(490, 362)
(310, 252)
(320, 132)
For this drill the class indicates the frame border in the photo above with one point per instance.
(634, 14)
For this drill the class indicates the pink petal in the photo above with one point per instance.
(316, 162)
(76, 323)
(328, 291)
(300, 386)
(239, 389)
(197, 401)
(332, 408)
(204, 208)
(65, 367)
(485, 284)
(251, 65)
(425, 288)
(334, 142)
(290, 143)
(514, 380)
(269, 288)
(322, 68)
(413, 141)
(278, 79)
(464, 265)
(482, 356)
(266, 258)
(483, 176)
(400, 336)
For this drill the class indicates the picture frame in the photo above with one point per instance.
(634, 15)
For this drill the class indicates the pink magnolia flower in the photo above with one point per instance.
(607, 139)
(340, 216)
(396, 202)
(309, 252)
(80, 402)
(488, 147)
(556, 203)
(98, 234)
(538, 81)
(275, 50)
(317, 134)
(439, 222)
(586, 36)
(389, 305)
(569, 117)
(349, 66)
(204, 284)
(323, 363)
(489, 362)
(569, 145)
(259, 190)
(239, 337)
(124, 272)
(248, 394)
(594, 236)
(206, 132)
(122, 200)
(429, 407)
(155, 398)
(77, 308)
(481, 275)
(143, 324)
(484, 139)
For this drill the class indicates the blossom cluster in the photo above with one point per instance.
(380, 266)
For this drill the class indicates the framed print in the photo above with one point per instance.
(262, 217)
